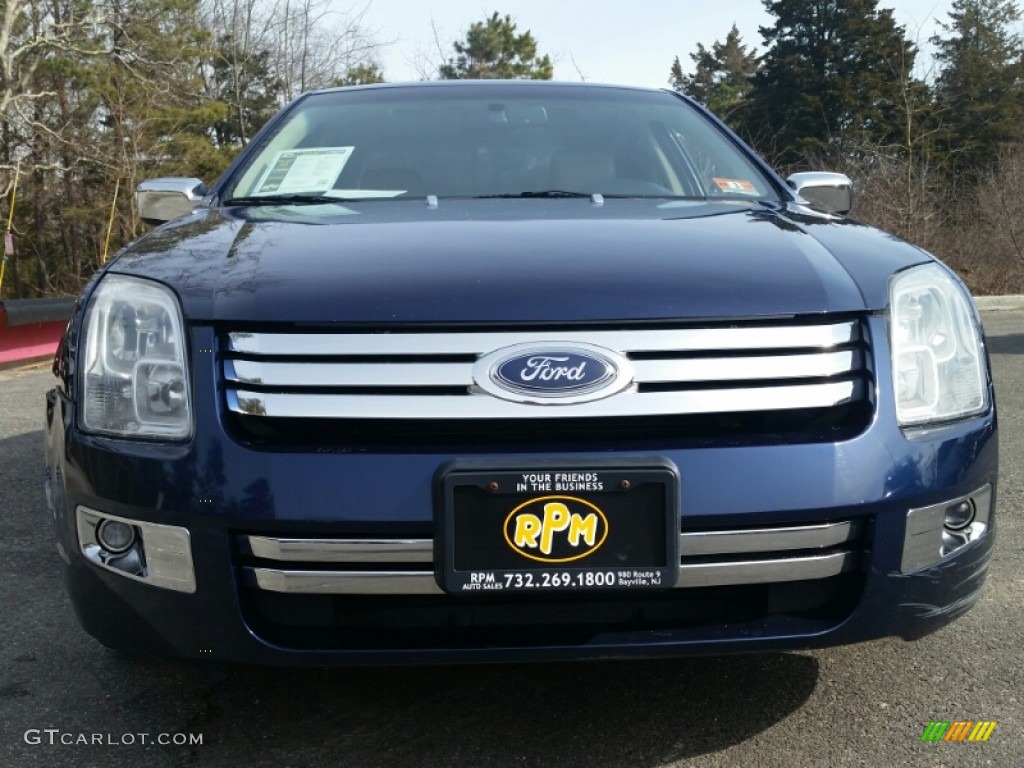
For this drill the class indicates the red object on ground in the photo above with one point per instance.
(22, 341)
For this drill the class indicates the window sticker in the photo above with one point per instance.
(735, 186)
(313, 171)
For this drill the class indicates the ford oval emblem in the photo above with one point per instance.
(553, 373)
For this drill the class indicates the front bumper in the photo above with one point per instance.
(254, 602)
(230, 618)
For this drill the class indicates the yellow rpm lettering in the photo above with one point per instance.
(533, 534)
(556, 518)
(585, 527)
(527, 530)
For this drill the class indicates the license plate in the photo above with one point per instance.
(558, 527)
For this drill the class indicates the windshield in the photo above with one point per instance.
(496, 140)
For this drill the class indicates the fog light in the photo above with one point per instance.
(153, 553)
(959, 515)
(941, 530)
(115, 537)
(952, 541)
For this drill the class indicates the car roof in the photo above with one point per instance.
(539, 84)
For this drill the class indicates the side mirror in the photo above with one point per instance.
(160, 200)
(830, 192)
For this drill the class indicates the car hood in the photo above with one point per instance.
(516, 261)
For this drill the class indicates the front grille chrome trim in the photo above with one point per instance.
(783, 569)
(339, 550)
(691, 575)
(629, 403)
(448, 375)
(747, 556)
(290, 374)
(761, 367)
(691, 544)
(435, 374)
(343, 582)
(658, 340)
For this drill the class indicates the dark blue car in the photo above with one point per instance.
(490, 371)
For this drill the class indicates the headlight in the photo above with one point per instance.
(134, 376)
(937, 365)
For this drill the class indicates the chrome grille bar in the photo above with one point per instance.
(745, 368)
(343, 582)
(733, 541)
(349, 374)
(777, 554)
(681, 340)
(692, 543)
(781, 569)
(289, 374)
(411, 407)
(339, 550)
(691, 575)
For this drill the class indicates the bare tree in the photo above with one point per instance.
(999, 237)
(317, 45)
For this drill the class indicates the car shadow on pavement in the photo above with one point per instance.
(1011, 344)
(593, 714)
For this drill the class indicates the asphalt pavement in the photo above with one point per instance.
(66, 701)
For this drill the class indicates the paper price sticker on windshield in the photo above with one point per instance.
(735, 186)
(304, 170)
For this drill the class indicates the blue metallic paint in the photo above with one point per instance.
(501, 261)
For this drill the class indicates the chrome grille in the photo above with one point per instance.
(420, 376)
(404, 566)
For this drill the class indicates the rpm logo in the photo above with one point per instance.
(556, 529)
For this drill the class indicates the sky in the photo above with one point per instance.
(631, 43)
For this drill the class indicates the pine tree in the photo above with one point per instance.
(721, 79)
(242, 80)
(832, 78)
(155, 117)
(676, 78)
(361, 74)
(980, 87)
(493, 50)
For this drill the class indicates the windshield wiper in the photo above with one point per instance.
(290, 199)
(654, 196)
(554, 193)
(542, 193)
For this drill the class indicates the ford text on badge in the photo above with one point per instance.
(556, 371)
(556, 529)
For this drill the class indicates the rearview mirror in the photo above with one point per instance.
(829, 192)
(160, 200)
